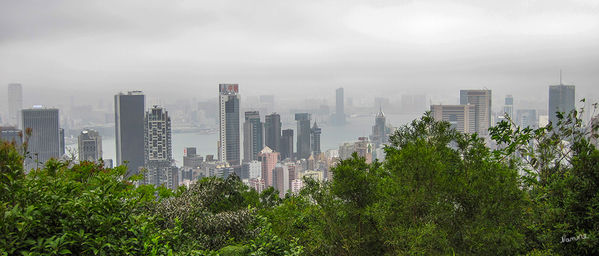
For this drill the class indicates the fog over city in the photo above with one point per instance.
(183, 49)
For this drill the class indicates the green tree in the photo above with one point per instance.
(561, 175)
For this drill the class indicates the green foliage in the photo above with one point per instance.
(81, 210)
(438, 192)
(561, 176)
(215, 212)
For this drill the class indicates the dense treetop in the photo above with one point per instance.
(437, 192)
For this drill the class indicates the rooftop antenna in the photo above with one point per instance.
(560, 77)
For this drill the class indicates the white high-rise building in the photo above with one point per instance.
(15, 104)
(158, 149)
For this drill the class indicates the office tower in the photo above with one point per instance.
(158, 154)
(315, 138)
(339, 117)
(129, 130)
(90, 145)
(44, 142)
(527, 118)
(272, 127)
(460, 117)
(508, 108)
(481, 99)
(303, 135)
(380, 131)
(252, 136)
(11, 134)
(287, 144)
(561, 99)
(15, 104)
(191, 159)
(269, 159)
(229, 140)
(61, 142)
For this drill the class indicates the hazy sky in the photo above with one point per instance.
(305, 48)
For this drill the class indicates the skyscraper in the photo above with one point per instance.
(481, 99)
(303, 135)
(287, 144)
(158, 156)
(252, 136)
(380, 131)
(460, 117)
(229, 137)
(90, 145)
(269, 159)
(315, 138)
(272, 126)
(15, 104)
(561, 99)
(129, 130)
(339, 117)
(44, 142)
(508, 108)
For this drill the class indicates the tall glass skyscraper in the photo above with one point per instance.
(303, 135)
(229, 138)
(287, 144)
(315, 138)
(272, 126)
(44, 142)
(253, 141)
(129, 130)
(561, 99)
